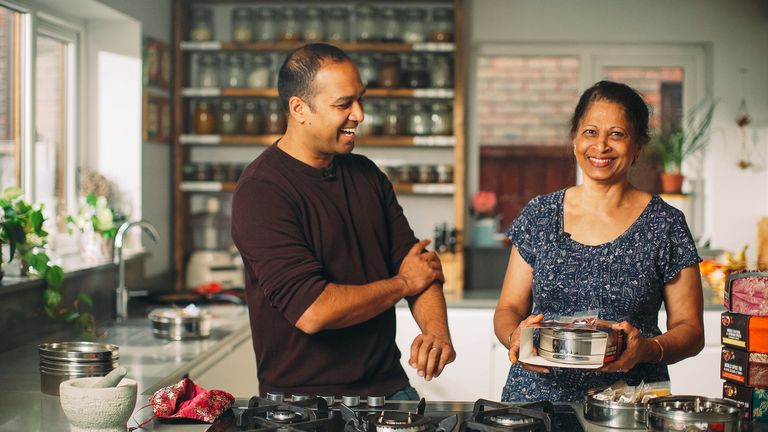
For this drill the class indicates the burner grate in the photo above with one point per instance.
(489, 416)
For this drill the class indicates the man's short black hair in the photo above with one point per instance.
(298, 71)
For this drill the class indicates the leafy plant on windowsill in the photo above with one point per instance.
(96, 215)
(21, 227)
(693, 137)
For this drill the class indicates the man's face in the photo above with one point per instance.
(335, 109)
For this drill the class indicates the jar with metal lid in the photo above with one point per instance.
(366, 29)
(393, 120)
(265, 27)
(442, 25)
(242, 24)
(442, 119)
(409, 173)
(414, 25)
(207, 71)
(390, 28)
(290, 25)
(416, 74)
(444, 173)
(366, 66)
(440, 72)
(274, 120)
(337, 25)
(189, 172)
(372, 125)
(220, 172)
(419, 122)
(259, 71)
(313, 30)
(252, 118)
(389, 71)
(234, 74)
(204, 171)
(427, 173)
(229, 118)
(204, 118)
(201, 25)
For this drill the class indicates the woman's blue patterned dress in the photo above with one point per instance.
(622, 279)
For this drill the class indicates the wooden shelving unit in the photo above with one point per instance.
(185, 142)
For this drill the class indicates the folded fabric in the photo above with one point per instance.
(188, 400)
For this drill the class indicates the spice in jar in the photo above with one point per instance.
(444, 173)
(313, 25)
(366, 67)
(442, 25)
(389, 71)
(229, 118)
(365, 24)
(242, 25)
(373, 123)
(441, 119)
(427, 174)
(390, 29)
(235, 72)
(414, 25)
(337, 27)
(266, 25)
(274, 120)
(418, 120)
(440, 72)
(289, 25)
(393, 123)
(201, 27)
(260, 72)
(252, 120)
(207, 71)
(205, 123)
(416, 74)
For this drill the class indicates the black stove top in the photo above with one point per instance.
(376, 415)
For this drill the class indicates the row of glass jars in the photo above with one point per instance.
(405, 71)
(255, 117)
(424, 173)
(361, 23)
(234, 70)
(251, 117)
(212, 171)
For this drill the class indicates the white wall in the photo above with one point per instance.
(736, 34)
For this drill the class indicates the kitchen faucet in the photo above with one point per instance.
(121, 291)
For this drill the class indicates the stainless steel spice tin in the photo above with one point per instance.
(579, 345)
(180, 324)
(613, 414)
(684, 413)
(61, 361)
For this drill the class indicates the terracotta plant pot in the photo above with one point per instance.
(671, 183)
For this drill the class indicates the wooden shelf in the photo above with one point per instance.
(346, 46)
(400, 188)
(426, 93)
(372, 141)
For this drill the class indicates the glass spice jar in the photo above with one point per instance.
(207, 71)
(442, 25)
(444, 173)
(205, 122)
(201, 26)
(265, 26)
(414, 25)
(229, 118)
(313, 25)
(393, 123)
(337, 25)
(440, 72)
(389, 71)
(441, 119)
(234, 75)
(242, 25)
(274, 119)
(290, 25)
(374, 121)
(418, 120)
(416, 74)
(252, 119)
(259, 71)
(390, 29)
(366, 66)
(365, 24)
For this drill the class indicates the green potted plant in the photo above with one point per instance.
(691, 138)
(98, 224)
(21, 228)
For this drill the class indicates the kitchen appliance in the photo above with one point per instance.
(180, 324)
(375, 414)
(217, 266)
(693, 413)
(62, 361)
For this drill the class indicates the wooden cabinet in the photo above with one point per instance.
(228, 151)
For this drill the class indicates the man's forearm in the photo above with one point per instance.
(429, 311)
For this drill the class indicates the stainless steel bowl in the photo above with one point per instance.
(572, 346)
(61, 361)
(684, 413)
(78, 351)
(180, 324)
(612, 414)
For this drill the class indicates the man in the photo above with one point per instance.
(328, 251)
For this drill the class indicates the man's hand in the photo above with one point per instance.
(430, 354)
(420, 269)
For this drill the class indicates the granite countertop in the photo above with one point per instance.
(152, 362)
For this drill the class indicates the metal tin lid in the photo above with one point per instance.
(694, 409)
(80, 351)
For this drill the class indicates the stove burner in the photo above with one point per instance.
(397, 421)
(284, 416)
(507, 420)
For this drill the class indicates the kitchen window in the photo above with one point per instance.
(10, 66)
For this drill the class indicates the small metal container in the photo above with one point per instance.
(181, 324)
(62, 361)
(572, 346)
(684, 413)
(613, 414)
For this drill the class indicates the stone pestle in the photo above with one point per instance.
(112, 379)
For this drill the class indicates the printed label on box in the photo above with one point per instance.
(734, 329)
(734, 365)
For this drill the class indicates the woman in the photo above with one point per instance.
(606, 246)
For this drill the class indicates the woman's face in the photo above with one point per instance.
(603, 143)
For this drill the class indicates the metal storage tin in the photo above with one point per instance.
(178, 324)
(572, 346)
(679, 413)
(613, 414)
(61, 361)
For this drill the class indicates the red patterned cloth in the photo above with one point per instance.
(190, 401)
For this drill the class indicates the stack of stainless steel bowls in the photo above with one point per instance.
(61, 361)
